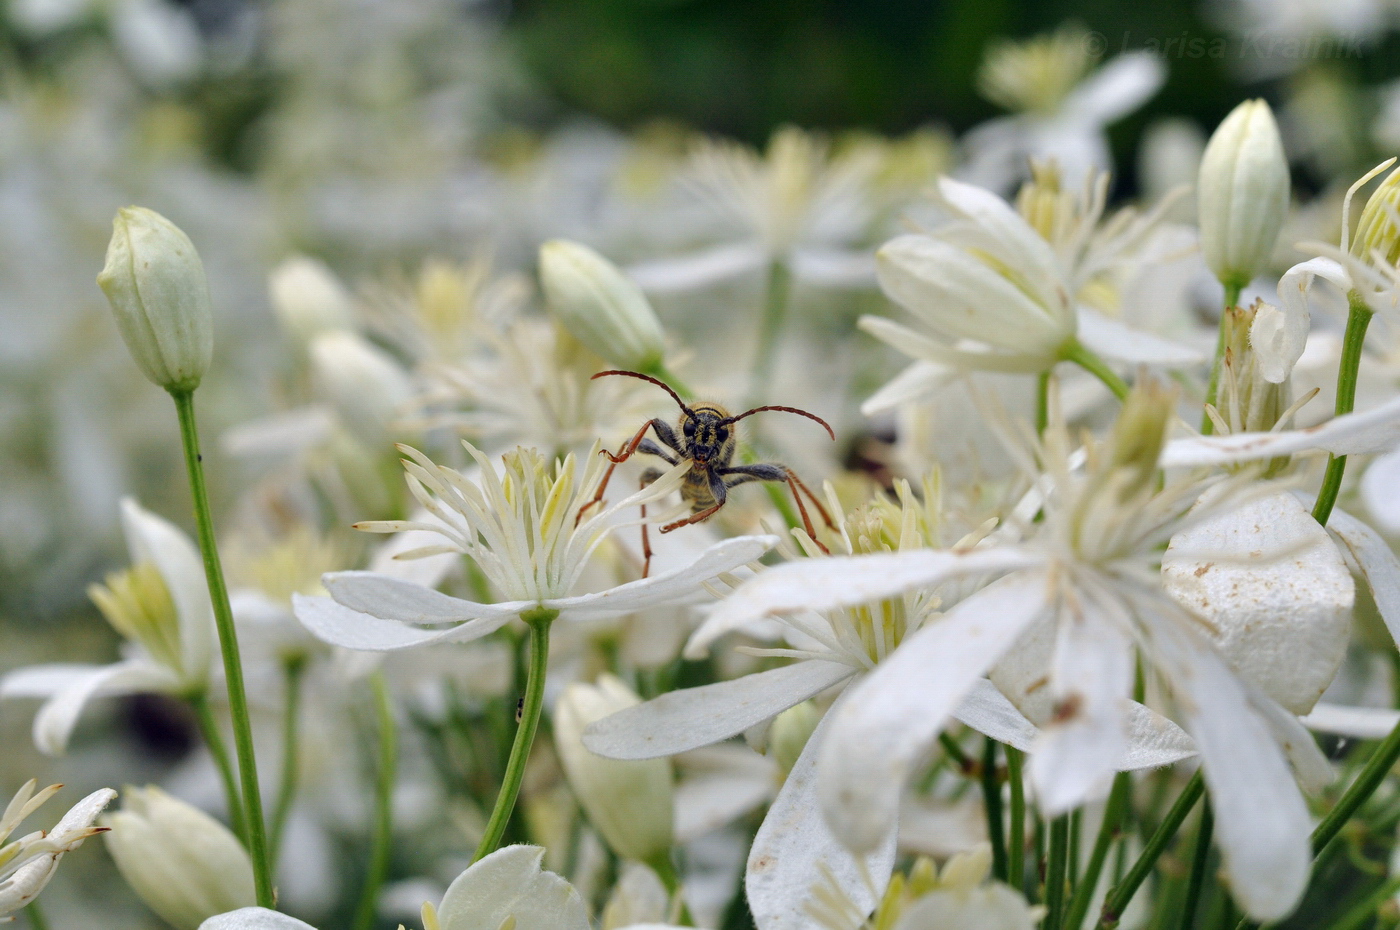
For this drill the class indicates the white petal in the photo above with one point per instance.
(1116, 89)
(254, 918)
(1091, 678)
(55, 721)
(428, 572)
(675, 586)
(1153, 741)
(510, 883)
(917, 345)
(1374, 430)
(1376, 562)
(895, 713)
(1261, 823)
(1310, 766)
(392, 599)
(1355, 722)
(26, 883)
(679, 721)
(827, 583)
(794, 847)
(340, 626)
(719, 785)
(1378, 486)
(833, 267)
(72, 827)
(1118, 342)
(699, 269)
(1274, 588)
(919, 380)
(282, 434)
(1278, 338)
(156, 540)
(991, 713)
(1295, 293)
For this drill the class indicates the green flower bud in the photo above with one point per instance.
(600, 306)
(183, 863)
(155, 283)
(1243, 193)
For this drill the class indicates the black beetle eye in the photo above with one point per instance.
(689, 427)
(722, 434)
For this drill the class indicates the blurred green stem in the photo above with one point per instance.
(775, 307)
(1232, 297)
(1113, 816)
(383, 804)
(1353, 342)
(1120, 894)
(1016, 845)
(293, 669)
(991, 800)
(1198, 866)
(209, 729)
(1080, 355)
(228, 645)
(35, 916)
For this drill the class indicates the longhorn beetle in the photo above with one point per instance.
(705, 438)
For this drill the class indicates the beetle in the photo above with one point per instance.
(705, 437)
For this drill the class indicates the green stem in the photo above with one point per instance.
(1232, 297)
(291, 728)
(228, 645)
(1042, 402)
(383, 804)
(538, 620)
(1360, 915)
(209, 729)
(1358, 318)
(775, 306)
(991, 799)
(1077, 353)
(1198, 865)
(1118, 800)
(1118, 897)
(1016, 846)
(955, 752)
(35, 916)
(671, 881)
(1057, 868)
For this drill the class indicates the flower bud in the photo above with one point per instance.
(1140, 434)
(604, 309)
(308, 298)
(367, 386)
(183, 863)
(628, 802)
(1376, 231)
(791, 730)
(1242, 193)
(155, 283)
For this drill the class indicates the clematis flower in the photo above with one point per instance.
(530, 531)
(160, 606)
(505, 889)
(838, 647)
(27, 864)
(1090, 572)
(989, 291)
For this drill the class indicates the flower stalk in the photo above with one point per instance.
(293, 669)
(1113, 817)
(991, 797)
(383, 804)
(1353, 342)
(1076, 352)
(1116, 902)
(775, 307)
(228, 645)
(209, 729)
(538, 620)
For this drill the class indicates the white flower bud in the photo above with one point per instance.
(183, 863)
(368, 388)
(603, 308)
(1242, 193)
(308, 298)
(155, 283)
(629, 803)
(791, 730)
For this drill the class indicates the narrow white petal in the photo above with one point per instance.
(1378, 486)
(1374, 430)
(1262, 824)
(340, 626)
(834, 267)
(1377, 563)
(392, 599)
(1355, 722)
(1118, 342)
(56, 719)
(918, 381)
(794, 846)
(254, 918)
(1116, 89)
(430, 571)
(282, 434)
(156, 540)
(895, 713)
(698, 269)
(679, 721)
(825, 584)
(510, 883)
(1153, 741)
(1278, 338)
(41, 681)
(991, 713)
(719, 784)
(1310, 766)
(1091, 678)
(673, 587)
(1295, 294)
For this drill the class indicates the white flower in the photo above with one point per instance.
(27, 864)
(183, 863)
(1089, 570)
(531, 536)
(161, 606)
(1060, 113)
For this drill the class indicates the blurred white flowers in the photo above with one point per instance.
(27, 864)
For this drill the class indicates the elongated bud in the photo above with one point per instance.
(308, 298)
(183, 863)
(1243, 193)
(1376, 231)
(155, 283)
(629, 803)
(1140, 434)
(791, 730)
(602, 307)
(367, 386)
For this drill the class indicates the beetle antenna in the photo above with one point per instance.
(661, 384)
(800, 413)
